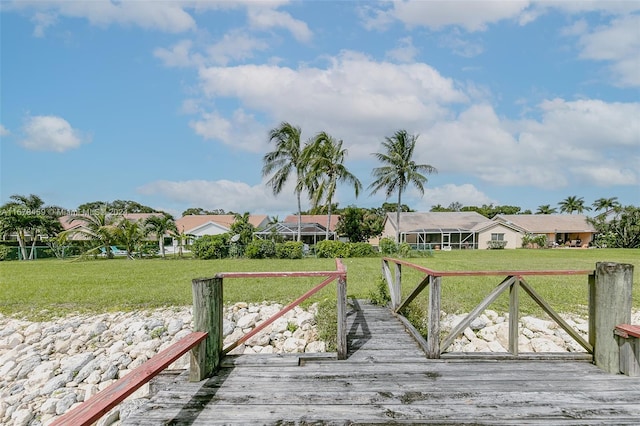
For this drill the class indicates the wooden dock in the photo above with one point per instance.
(387, 379)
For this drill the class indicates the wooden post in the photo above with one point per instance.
(342, 317)
(611, 306)
(207, 316)
(514, 311)
(396, 294)
(592, 303)
(433, 336)
(386, 273)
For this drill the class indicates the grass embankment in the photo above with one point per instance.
(47, 288)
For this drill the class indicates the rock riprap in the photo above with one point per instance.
(47, 367)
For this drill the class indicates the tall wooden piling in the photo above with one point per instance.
(610, 298)
(207, 316)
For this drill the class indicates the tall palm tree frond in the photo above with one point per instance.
(399, 170)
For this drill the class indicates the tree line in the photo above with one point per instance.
(317, 168)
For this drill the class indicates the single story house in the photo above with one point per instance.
(77, 228)
(313, 228)
(435, 230)
(461, 230)
(573, 230)
(214, 224)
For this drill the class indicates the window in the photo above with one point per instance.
(497, 237)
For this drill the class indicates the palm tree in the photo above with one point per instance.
(399, 170)
(325, 158)
(242, 226)
(27, 216)
(546, 209)
(573, 204)
(131, 234)
(285, 159)
(99, 226)
(182, 239)
(159, 226)
(606, 204)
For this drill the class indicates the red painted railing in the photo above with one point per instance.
(433, 345)
(99, 404)
(340, 274)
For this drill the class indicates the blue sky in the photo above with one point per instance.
(170, 103)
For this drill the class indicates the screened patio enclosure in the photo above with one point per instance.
(434, 238)
(310, 233)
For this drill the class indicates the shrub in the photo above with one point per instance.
(361, 250)
(404, 249)
(380, 296)
(496, 244)
(388, 246)
(211, 246)
(4, 252)
(331, 249)
(418, 317)
(289, 250)
(260, 249)
(534, 241)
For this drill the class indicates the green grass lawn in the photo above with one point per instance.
(45, 288)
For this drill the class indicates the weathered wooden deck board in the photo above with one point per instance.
(387, 379)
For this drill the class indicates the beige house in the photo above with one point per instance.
(492, 234)
(471, 230)
(572, 230)
(313, 228)
(435, 230)
(214, 224)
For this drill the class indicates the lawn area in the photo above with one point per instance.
(44, 288)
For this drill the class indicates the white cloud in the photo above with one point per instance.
(42, 21)
(234, 46)
(610, 7)
(592, 123)
(460, 45)
(467, 194)
(50, 133)
(179, 55)
(608, 173)
(4, 131)
(222, 194)
(353, 96)
(359, 100)
(436, 15)
(240, 131)
(163, 16)
(405, 52)
(265, 18)
(617, 43)
(477, 15)
(587, 142)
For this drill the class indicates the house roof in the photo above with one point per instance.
(490, 224)
(548, 223)
(190, 222)
(288, 228)
(67, 225)
(320, 219)
(435, 221)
